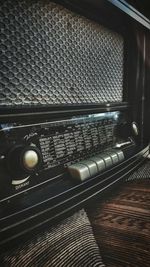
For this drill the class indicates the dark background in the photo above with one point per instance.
(142, 6)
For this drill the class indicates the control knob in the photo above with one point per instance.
(23, 160)
(30, 159)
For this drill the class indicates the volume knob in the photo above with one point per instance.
(22, 160)
(30, 159)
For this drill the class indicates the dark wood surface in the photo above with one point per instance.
(121, 225)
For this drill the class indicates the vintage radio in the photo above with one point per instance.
(72, 106)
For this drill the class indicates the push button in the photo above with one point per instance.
(114, 158)
(120, 155)
(79, 171)
(99, 162)
(95, 165)
(107, 159)
(91, 166)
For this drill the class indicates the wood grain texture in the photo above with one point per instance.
(122, 225)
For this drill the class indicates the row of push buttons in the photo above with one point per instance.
(95, 165)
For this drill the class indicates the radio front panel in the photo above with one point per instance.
(71, 115)
(33, 153)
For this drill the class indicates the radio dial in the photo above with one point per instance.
(23, 160)
(135, 128)
(30, 159)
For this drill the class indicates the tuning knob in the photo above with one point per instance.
(30, 159)
(23, 160)
(135, 128)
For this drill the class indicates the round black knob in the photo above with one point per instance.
(23, 160)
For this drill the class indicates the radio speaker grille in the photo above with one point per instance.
(50, 55)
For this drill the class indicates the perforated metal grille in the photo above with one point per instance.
(50, 55)
(142, 173)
